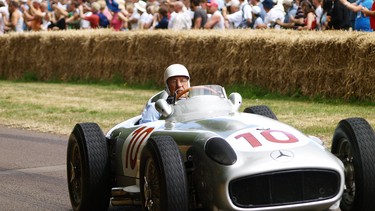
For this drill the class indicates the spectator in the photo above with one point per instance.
(260, 5)
(362, 22)
(34, 16)
(258, 21)
(217, 20)
(371, 14)
(273, 14)
(162, 18)
(152, 10)
(180, 20)
(57, 18)
(318, 12)
(92, 16)
(326, 16)
(73, 17)
(16, 20)
(189, 14)
(3, 17)
(234, 19)
(134, 15)
(290, 11)
(144, 16)
(246, 15)
(119, 19)
(340, 16)
(310, 17)
(200, 14)
(104, 9)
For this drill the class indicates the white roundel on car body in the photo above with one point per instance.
(265, 139)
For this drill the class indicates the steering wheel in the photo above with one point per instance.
(196, 87)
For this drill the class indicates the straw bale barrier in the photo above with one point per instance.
(332, 64)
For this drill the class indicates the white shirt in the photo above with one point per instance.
(272, 16)
(220, 24)
(247, 12)
(144, 18)
(235, 18)
(135, 16)
(181, 21)
(318, 13)
(84, 23)
(258, 21)
(2, 23)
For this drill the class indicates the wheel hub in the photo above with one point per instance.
(151, 187)
(75, 174)
(346, 156)
(148, 194)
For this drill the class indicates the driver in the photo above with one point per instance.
(176, 79)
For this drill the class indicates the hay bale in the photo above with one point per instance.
(331, 64)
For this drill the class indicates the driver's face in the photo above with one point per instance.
(177, 83)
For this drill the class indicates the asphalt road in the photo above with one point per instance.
(33, 171)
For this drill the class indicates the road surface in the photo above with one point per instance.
(32, 171)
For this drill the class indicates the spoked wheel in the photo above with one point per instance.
(88, 170)
(354, 144)
(162, 176)
(261, 110)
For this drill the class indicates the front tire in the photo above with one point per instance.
(162, 176)
(354, 144)
(88, 170)
(261, 110)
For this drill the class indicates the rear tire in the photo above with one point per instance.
(261, 110)
(163, 179)
(354, 144)
(88, 170)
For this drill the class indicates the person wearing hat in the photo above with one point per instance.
(217, 20)
(176, 80)
(144, 18)
(273, 14)
(258, 21)
(234, 19)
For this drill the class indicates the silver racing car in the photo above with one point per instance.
(204, 154)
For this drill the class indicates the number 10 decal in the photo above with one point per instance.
(136, 139)
(267, 134)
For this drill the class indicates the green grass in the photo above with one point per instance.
(57, 107)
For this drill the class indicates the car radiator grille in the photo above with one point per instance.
(286, 187)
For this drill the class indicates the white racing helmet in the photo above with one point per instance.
(175, 70)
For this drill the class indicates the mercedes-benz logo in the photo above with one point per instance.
(282, 155)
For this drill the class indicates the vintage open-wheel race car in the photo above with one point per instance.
(204, 154)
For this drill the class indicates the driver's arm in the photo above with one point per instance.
(149, 114)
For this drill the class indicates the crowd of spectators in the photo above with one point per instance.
(123, 15)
